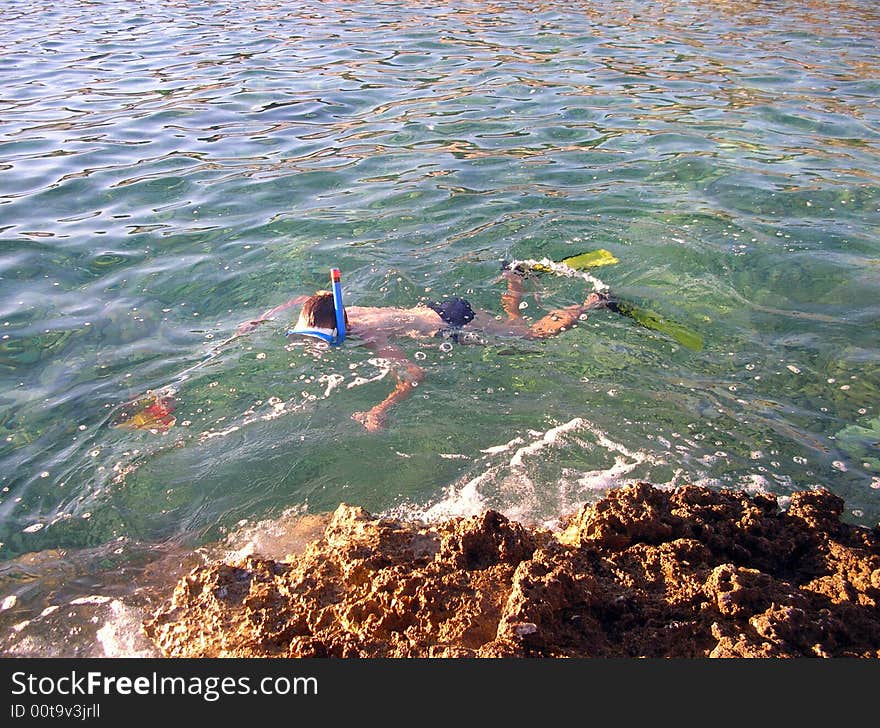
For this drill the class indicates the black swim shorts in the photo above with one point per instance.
(456, 312)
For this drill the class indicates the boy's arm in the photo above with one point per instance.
(247, 326)
(408, 375)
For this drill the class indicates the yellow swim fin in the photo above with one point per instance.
(590, 259)
(652, 320)
(582, 261)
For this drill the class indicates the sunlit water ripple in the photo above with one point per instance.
(170, 169)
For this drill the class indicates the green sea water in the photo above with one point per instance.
(171, 169)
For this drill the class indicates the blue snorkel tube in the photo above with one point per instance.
(336, 279)
(338, 336)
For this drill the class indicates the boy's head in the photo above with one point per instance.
(319, 312)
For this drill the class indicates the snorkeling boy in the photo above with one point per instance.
(324, 316)
(379, 327)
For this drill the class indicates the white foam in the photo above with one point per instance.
(605, 479)
(360, 381)
(561, 269)
(679, 477)
(754, 484)
(120, 635)
(275, 537)
(332, 381)
(608, 444)
(93, 599)
(704, 481)
(384, 367)
(507, 480)
(503, 448)
(218, 433)
(551, 437)
(463, 501)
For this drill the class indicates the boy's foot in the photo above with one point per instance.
(596, 299)
(518, 269)
(370, 420)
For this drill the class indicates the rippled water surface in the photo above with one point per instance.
(171, 169)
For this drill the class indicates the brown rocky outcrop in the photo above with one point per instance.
(690, 572)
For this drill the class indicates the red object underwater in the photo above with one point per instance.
(154, 413)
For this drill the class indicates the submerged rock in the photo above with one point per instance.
(645, 572)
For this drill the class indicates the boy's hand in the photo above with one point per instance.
(248, 326)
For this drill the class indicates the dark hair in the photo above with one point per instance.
(319, 311)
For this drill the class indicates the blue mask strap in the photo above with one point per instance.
(329, 338)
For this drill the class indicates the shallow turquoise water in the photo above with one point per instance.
(169, 169)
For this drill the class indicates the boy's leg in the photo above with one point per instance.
(554, 322)
(512, 297)
(561, 319)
